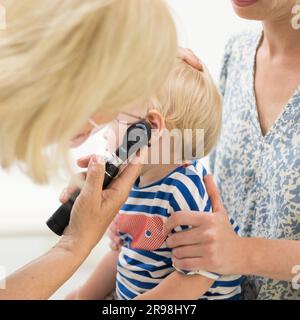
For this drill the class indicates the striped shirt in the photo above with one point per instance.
(145, 260)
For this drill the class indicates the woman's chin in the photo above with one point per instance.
(249, 15)
(254, 11)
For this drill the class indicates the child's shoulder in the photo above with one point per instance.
(188, 186)
(191, 172)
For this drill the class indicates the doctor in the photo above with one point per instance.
(62, 63)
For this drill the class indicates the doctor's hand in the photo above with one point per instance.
(94, 209)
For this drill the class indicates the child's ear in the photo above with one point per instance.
(156, 119)
(157, 122)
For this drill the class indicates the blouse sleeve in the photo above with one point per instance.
(222, 86)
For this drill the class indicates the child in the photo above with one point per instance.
(143, 269)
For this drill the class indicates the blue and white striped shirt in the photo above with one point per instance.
(145, 260)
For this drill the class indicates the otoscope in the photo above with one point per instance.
(137, 136)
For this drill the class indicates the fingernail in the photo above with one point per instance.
(96, 160)
(63, 195)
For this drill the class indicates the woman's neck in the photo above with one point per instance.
(280, 38)
(154, 172)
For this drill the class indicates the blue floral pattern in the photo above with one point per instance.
(258, 176)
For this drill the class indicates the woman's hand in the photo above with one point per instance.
(115, 240)
(94, 209)
(189, 57)
(211, 244)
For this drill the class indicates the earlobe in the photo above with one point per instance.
(157, 122)
(156, 119)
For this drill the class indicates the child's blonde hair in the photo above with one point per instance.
(190, 100)
(63, 61)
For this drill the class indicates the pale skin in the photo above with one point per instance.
(101, 282)
(211, 244)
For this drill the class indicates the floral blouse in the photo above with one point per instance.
(258, 176)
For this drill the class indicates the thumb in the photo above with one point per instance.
(94, 178)
(124, 182)
(213, 193)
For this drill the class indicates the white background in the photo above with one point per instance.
(203, 26)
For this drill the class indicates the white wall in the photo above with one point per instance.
(204, 26)
(24, 206)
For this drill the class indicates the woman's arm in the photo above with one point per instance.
(102, 281)
(212, 245)
(274, 259)
(178, 286)
(92, 213)
(39, 279)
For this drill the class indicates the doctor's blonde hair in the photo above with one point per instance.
(63, 61)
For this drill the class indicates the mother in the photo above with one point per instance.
(256, 164)
(62, 62)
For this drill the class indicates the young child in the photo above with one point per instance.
(143, 269)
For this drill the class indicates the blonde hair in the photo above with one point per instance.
(190, 100)
(62, 61)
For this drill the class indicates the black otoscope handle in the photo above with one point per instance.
(61, 217)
